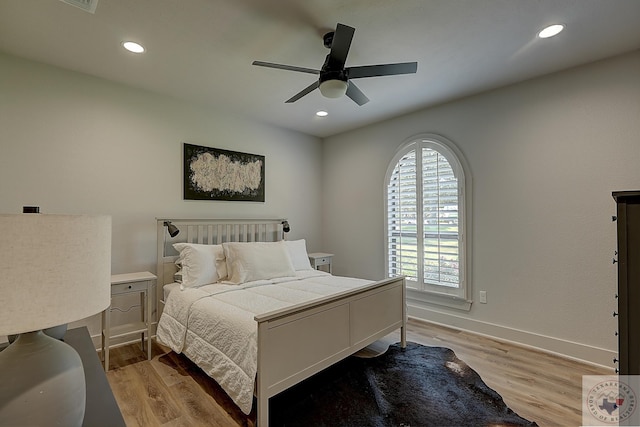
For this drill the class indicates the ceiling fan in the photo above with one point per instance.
(335, 78)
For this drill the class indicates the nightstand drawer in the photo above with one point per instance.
(323, 261)
(123, 288)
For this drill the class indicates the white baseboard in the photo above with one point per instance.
(116, 342)
(122, 341)
(577, 351)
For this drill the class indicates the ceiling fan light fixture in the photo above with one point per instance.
(333, 88)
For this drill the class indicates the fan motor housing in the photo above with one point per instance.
(334, 70)
(333, 75)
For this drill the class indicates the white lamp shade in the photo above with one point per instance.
(333, 88)
(55, 269)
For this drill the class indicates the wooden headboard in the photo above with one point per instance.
(206, 232)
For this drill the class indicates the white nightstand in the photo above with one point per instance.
(318, 259)
(123, 284)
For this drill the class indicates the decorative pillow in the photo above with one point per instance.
(198, 263)
(298, 253)
(257, 260)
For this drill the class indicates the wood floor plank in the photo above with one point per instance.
(166, 371)
(170, 391)
(131, 397)
(161, 402)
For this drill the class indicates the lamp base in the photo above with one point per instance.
(56, 332)
(42, 382)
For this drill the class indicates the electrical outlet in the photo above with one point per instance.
(483, 297)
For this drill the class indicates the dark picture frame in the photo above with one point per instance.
(216, 174)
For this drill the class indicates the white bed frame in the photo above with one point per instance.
(299, 341)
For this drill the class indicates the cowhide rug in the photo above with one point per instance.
(417, 386)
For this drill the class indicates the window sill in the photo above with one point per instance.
(433, 298)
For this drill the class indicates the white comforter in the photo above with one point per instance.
(214, 324)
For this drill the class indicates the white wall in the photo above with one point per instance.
(545, 156)
(71, 143)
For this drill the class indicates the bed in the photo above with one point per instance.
(269, 321)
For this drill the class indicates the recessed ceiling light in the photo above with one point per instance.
(550, 31)
(133, 47)
(322, 113)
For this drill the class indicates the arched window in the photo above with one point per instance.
(426, 217)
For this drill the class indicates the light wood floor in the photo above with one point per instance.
(171, 391)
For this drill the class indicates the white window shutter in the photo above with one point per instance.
(425, 217)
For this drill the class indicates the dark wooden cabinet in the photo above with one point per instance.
(628, 261)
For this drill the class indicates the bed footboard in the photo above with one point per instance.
(299, 341)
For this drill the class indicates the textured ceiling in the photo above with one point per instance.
(201, 50)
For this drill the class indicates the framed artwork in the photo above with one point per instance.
(214, 174)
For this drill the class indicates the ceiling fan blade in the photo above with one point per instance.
(356, 94)
(286, 67)
(303, 92)
(382, 70)
(340, 45)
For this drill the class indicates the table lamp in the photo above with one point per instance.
(54, 269)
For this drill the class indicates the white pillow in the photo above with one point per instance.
(198, 263)
(221, 264)
(257, 260)
(298, 253)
